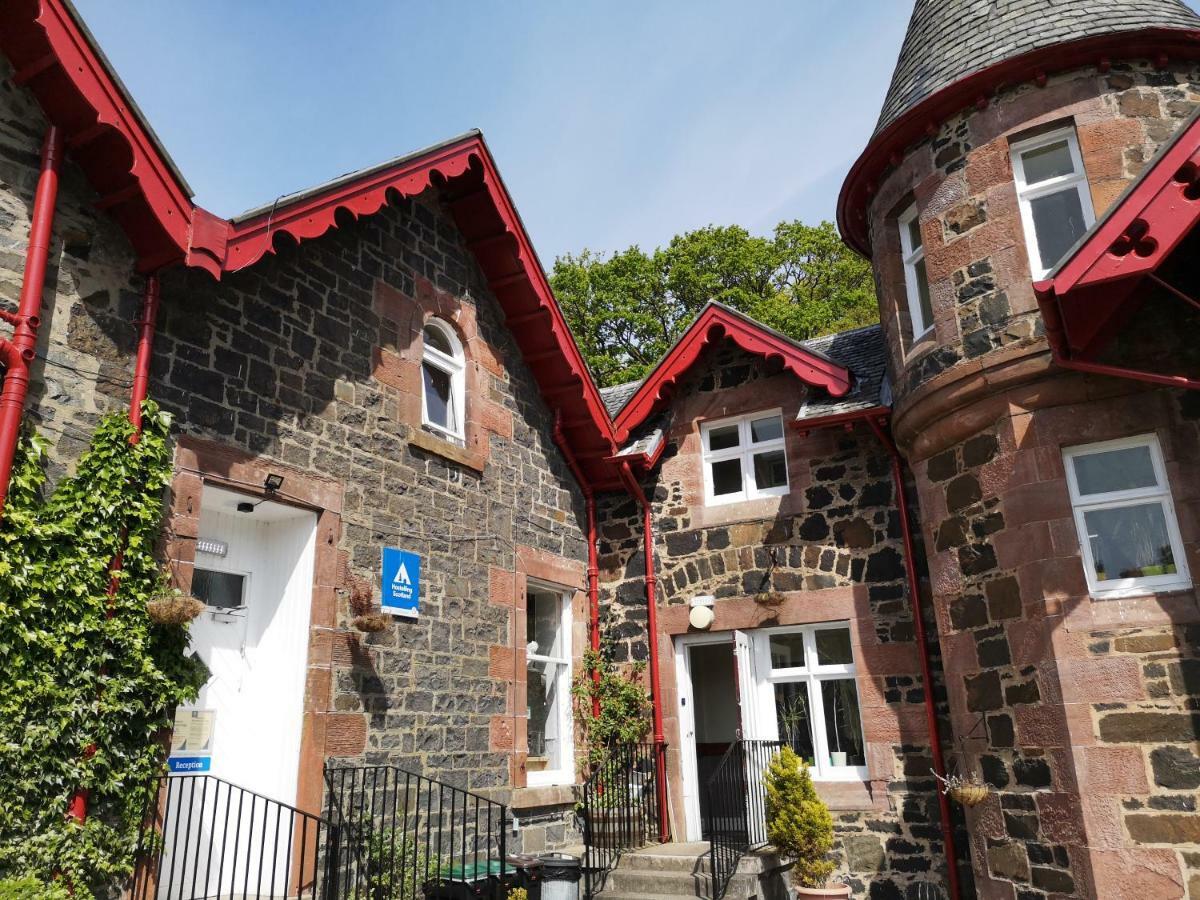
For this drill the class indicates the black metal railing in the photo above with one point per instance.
(736, 820)
(409, 837)
(619, 808)
(205, 837)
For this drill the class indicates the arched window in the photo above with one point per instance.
(443, 381)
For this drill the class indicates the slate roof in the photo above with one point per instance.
(864, 353)
(949, 39)
(616, 396)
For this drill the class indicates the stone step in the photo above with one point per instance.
(650, 883)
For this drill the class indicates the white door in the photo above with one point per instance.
(749, 719)
(256, 578)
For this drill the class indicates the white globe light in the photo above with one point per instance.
(701, 617)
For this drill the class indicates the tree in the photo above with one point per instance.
(627, 309)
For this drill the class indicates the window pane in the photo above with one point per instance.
(787, 651)
(723, 438)
(768, 429)
(437, 397)
(545, 696)
(843, 725)
(221, 590)
(923, 300)
(795, 725)
(1058, 224)
(726, 477)
(1047, 162)
(543, 623)
(833, 647)
(1115, 470)
(436, 338)
(914, 234)
(770, 470)
(1130, 542)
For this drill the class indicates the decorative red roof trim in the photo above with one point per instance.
(1090, 294)
(923, 119)
(714, 323)
(1144, 226)
(139, 186)
(55, 59)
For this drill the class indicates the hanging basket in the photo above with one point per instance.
(371, 623)
(174, 610)
(969, 794)
(769, 598)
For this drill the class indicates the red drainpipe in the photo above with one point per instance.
(939, 764)
(593, 565)
(18, 353)
(639, 495)
(78, 806)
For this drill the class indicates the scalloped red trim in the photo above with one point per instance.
(714, 323)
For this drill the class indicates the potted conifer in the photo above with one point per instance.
(800, 826)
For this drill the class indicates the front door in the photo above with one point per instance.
(254, 572)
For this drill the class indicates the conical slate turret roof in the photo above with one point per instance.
(949, 39)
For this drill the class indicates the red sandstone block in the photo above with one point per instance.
(505, 663)
(1101, 679)
(1041, 726)
(501, 587)
(495, 418)
(1061, 818)
(345, 734)
(500, 734)
(1111, 770)
(1036, 503)
(1137, 873)
(1022, 544)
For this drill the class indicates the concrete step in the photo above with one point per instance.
(681, 870)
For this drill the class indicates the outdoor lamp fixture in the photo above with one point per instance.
(273, 483)
(701, 617)
(245, 507)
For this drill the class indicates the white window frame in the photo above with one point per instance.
(1025, 193)
(455, 367)
(564, 773)
(1161, 491)
(910, 258)
(811, 674)
(746, 451)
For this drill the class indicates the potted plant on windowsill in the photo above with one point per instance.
(800, 826)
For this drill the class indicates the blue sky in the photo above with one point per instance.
(613, 122)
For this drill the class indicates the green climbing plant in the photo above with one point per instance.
(613, 706)
(82, 669)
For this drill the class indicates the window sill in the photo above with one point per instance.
(439, 446)
(845, 795)
(542, 795)
(1143, 593)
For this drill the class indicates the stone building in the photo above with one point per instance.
(977, 518)
(1028, 201)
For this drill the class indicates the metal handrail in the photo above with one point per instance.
(619, 808)
(412, 833)
(737, 808)
(204, 836)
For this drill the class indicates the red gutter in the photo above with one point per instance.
(78, 807)
(1060, 349)
(18, 353)
(593, 564)
(935, 744)
(635, 490)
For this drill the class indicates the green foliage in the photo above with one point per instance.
(81, 668)
(798, 822)
(518, 894)
(395, 867)
(31, 888)
(624, 706)
(628, 308)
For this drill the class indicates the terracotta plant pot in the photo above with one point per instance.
(829, 891)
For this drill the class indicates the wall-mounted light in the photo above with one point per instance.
(701, 617)
(273, 483)
(245, 507)
(211, 546)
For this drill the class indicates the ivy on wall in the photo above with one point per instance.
(78, 668)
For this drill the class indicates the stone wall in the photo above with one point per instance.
(1081, 712)
(83, 366)
(830, 550)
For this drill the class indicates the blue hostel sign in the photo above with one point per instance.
(401, 582)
